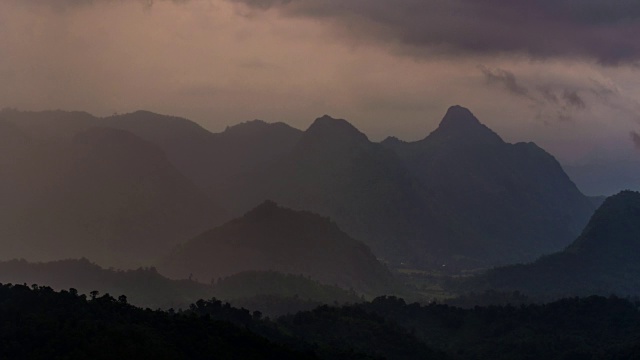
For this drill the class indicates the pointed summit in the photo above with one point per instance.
(458, 117)
(460, 124)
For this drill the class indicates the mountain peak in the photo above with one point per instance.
(460, 123)
(458, 116)
(266, 207)
(329, 128)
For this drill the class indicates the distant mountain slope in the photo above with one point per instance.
(270, 237)
(336, 171)
(147, 288)
(461, 197)
(104, 194)
(512, 201)
(604, 259)
(211, 160)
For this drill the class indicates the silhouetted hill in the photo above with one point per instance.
(270, 292)
(510, 202)
(604, 259)
(104, 194)
(143, 286)
(270, 237)
(39, 323)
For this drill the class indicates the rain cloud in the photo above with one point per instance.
(599, 30)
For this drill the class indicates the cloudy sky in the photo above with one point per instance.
(562, 73)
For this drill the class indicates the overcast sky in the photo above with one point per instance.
(562, 73)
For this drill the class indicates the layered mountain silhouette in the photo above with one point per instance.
(271, 237)
(211, 160)
(102, 193)
(143, 286)
(461, 197)
(604, 259)
(258, 290)
(336, 171)
(511, 201)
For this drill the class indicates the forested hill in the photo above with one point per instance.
(39, 323)
(269, 292)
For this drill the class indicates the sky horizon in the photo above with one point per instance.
(563, 74)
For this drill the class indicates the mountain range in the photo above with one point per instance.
(101, 193)
(461, 197)
(510, 201)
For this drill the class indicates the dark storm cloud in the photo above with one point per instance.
(505, 78)
(635, 137)
(551, 100)
(603, 30)
(540, 93)
(573, 99)
(64, 4)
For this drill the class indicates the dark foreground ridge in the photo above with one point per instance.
(39, 323)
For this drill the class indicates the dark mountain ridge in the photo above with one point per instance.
(512, 202)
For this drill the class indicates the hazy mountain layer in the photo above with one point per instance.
(143, 287)
(102, 193)
(336, 171)
(270, 237)
(604, 259)
(270, 292)
(211, 160)
(461, 197)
